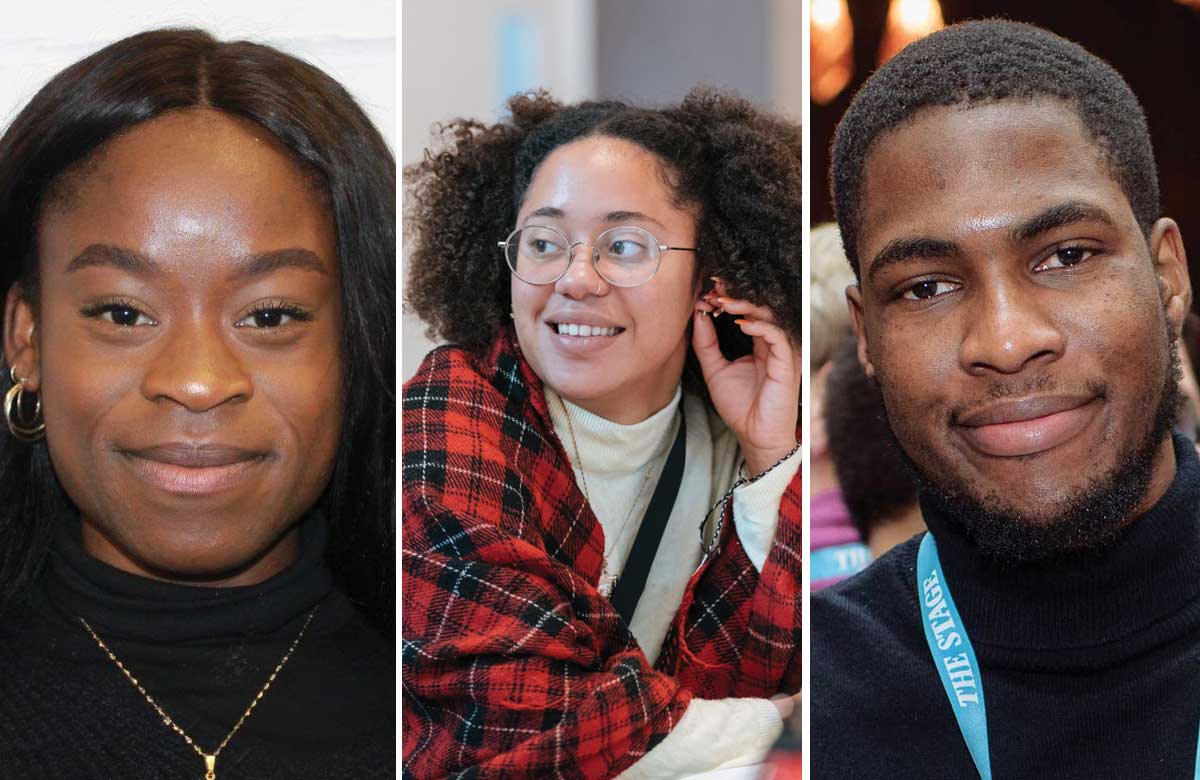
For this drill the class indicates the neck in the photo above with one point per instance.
(118, 602)
(895, 530)
(1161, 477)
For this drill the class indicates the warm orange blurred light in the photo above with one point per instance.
(907, 21)
(831, 49)
(1192, 3)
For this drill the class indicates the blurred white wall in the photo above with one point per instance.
(352, 40)
(465, 58)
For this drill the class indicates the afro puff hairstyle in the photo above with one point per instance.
(737, 165)
(986, 61)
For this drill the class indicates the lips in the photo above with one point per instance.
(1027, 426)
(189, 469)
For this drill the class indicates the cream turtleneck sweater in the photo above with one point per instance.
(611, 462)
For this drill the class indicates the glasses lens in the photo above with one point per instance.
(536, 254)
(628, 256)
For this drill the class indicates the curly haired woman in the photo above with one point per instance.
(621, 287)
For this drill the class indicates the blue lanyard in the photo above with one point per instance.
(841, 560)
(953, 655)
(955, 658)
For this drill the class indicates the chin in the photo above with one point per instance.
(202, 549)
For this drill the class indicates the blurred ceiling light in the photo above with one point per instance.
(831, 49)
(1192, 3)
(907, 21)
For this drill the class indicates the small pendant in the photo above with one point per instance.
(607, 582)
(210, 767)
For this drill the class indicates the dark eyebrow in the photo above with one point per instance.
(546, 211)
(138, 264)
(612, 216)
(1061, 215)
(627, 216)
(904, 249)
(99, 255)
(266, 262)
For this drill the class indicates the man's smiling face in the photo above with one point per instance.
(1017, 320)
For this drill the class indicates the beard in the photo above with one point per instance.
(1091, 519)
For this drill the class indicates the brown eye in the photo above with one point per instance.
(1066, 257)
(123, 315)
(923, 290)
(270, 317)
(1070, 255)
(119, 314)
(928, 289)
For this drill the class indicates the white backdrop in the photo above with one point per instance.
(455, 64)
(352, 40)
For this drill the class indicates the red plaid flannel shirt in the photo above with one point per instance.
(514, 665)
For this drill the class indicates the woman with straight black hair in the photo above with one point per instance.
(197, 487)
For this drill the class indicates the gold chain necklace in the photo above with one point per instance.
(607, 580)
(210, 759)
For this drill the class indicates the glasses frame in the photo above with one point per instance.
(570, 245)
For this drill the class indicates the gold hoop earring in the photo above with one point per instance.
(22, 430)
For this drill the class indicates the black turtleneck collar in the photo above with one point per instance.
(1102, 605)
(123, 605)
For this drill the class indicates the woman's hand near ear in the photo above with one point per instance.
(758, 395)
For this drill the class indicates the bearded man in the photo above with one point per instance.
(1019, 303)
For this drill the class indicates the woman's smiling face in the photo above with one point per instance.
(630, 371)
(185, 342)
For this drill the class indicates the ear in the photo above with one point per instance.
(1170, 264)
(20, 337)
(857, 318)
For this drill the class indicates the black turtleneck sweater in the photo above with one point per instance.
(1090, 663)
(67, 712)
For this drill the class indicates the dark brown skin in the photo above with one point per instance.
(187, 351)
(990, 317)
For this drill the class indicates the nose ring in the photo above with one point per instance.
(599, 284)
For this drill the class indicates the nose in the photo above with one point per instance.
(197, 369)
(1011, 328)
(581, 278)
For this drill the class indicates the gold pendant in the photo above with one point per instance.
(210, 767)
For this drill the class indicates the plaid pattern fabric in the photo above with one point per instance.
(514, 665)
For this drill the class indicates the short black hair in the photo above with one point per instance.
(872, 471)
(150, 74)
(985, 61)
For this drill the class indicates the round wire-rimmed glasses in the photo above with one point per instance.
(624, 256)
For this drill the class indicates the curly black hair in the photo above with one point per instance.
(738, 165)
(985, 61)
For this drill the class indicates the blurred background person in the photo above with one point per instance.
(837, 550)
(876, 484)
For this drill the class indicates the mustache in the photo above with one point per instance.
(1036, 385)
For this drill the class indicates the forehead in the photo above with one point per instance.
(597, 174)
(184, 182)
(950, 170)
